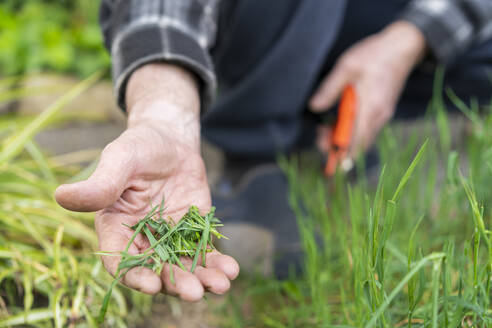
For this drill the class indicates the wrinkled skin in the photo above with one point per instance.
(150, 160)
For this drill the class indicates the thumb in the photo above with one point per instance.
(330, 89)
(104, 186)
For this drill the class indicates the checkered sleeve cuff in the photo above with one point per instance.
(153, 43)
(447, 29)
(138, 32)
(480, 12)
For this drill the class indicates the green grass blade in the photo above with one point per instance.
(107, 297)
(17, 142)
(30, 317)
(408, 173)
(58, 314)
(436, 270)
(372, 322)
(28, 288)
(57, 255)
(40, 160)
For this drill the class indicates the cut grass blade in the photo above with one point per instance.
(168, 241)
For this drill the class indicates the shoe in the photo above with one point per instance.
(261, 226)
(251, 199)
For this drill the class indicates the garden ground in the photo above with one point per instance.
(106, 123)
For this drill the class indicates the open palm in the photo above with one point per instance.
(144, 165)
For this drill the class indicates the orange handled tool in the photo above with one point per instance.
(341, 134)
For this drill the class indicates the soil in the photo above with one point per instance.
(169, 312)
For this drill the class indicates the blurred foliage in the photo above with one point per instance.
(55, 35)
(49, 275)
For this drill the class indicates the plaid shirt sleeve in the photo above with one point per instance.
(137, 32)
(451, 26)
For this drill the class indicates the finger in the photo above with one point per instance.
(361, 124)
(112, 238)
(330, 89)
(359, 138)
(186, 285)
(323, 138)
(143, 279)
(104, 186)
(224, 263)
(212, 279)
(365, 126)
(367, 132)
(373, 114)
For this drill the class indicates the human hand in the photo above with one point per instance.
(378, 68)
(157, 156)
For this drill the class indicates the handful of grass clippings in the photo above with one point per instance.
(191, 236)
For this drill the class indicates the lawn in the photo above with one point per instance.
(412, 249)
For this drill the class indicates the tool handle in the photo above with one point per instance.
(343, 130)
(341, 136)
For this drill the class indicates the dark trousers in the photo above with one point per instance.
(261, 109)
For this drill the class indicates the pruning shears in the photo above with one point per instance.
(340, 138)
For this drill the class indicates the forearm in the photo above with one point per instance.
(165, 96)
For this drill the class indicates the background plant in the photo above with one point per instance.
(49, 273)
(415, 256)
(48, 35)
(415, 251)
